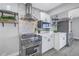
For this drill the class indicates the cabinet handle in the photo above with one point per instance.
(48, 39)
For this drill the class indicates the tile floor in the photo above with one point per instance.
(73, 50)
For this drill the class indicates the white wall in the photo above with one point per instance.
(12, 6)
(74, 14)
(61, 15)
(75, 28)
(63, 8)
(9, 41)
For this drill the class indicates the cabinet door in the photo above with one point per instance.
(51, 42)
(56, 41)
(62, 41)
(45, 44)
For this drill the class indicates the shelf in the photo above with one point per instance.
(9, 21)
(9, 12)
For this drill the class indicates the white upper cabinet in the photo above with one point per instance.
(45, 17)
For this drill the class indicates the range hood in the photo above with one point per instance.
(29, 16)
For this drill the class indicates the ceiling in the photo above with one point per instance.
(45, 6)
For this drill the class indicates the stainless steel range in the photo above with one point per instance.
(30, 45)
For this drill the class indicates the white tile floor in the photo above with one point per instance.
(73, 50)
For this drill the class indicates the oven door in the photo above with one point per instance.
(32, 50)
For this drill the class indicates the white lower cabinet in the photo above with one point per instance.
(59, 40)
(47, 43)
(55, 40)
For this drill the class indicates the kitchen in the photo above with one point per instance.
(36, 29)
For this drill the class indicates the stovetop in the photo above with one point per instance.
(29, 40)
